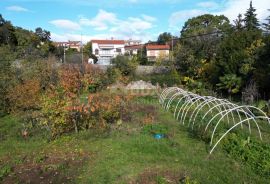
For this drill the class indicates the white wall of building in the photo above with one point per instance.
(158, 53)
(106, 52)
(132, 51)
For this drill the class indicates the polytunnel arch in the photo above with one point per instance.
(166, 94)
(232, 129)
(252, 118)
(217, 107)
(212, 101)
(172, 98)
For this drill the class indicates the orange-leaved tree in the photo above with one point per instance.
(25, 96)
(70, 80)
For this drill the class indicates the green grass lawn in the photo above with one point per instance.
(127, 153)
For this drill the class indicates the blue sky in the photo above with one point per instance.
(120, 19)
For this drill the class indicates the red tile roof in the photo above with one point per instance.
(157, 47)
(69, 43)
(130, 47)
(115, 42)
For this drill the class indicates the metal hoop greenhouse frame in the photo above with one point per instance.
(217, 109)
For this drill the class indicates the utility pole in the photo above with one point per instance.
(82, 64)
(172, 42)
(82, 48)
(64, 53)
(172, 49)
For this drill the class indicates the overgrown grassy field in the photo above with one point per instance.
(125, 153)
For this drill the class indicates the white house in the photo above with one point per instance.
(157, 51)
(106, 50)
(132, 42)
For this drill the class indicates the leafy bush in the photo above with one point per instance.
(168, 79)
(54, 112)
(92, 88)
(264, 105)
(25, 96)
(93, 79)
(125, 65)
(112, 75)
(231, 83)
(62, 115)
(70, 80)
(106, 108)
(7, 76)
(251, 152)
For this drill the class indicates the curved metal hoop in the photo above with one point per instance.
(216, 108)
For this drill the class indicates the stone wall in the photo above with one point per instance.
(146, 70)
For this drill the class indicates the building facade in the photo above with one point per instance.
(133, 49)
(70, 45)
(131, 42)
(155, 52)
(106, 50)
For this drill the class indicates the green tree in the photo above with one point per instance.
(46, 49)
(251, 21)
(185, 60)
(205, 24)
(43, 35)
(163, 38)
(87, 49)
(200, 40)
(203, 34)
(27, 42)
(141, 56)
(237, 52)
(238, 23)
(262, 68)
(7, 33)
(231, 83)
(126, 65)
(7, 77)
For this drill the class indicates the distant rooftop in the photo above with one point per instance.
(130, 47)
(70, 43)
(115, 42)
(157, 47)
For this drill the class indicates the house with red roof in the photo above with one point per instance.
(155, 52)
(106, 50)
(133, 49)
(70, 44)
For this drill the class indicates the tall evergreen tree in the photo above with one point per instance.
(267, 24)
(251, 21)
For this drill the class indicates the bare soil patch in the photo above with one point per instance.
(45, 169)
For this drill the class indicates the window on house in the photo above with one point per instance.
(96, 52)
(118, 50)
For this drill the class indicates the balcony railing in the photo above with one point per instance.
(106, 53)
